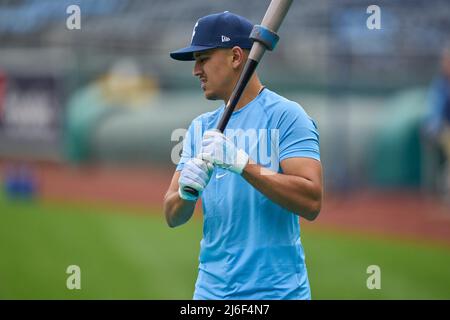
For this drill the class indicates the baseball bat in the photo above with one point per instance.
(264, 37)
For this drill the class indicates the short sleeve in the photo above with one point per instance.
(299, 135)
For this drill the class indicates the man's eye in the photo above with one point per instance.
(203, 59)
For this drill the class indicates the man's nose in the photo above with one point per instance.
(197, 70)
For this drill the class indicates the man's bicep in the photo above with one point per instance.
(308, 168)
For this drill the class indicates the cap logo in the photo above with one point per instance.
(193, 31)
(225, 39)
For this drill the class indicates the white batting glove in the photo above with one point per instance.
(220, 151)
(195, 174)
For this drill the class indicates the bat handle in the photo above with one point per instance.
(191, 191)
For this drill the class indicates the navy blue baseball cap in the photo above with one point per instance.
(219, 30)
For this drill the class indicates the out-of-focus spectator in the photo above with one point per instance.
(437, 121)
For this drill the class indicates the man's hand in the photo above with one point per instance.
(195, 174)
(220, 151)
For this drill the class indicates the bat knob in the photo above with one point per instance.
(191, 191)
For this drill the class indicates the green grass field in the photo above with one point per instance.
(125, 254)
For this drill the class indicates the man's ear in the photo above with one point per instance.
(239, 57)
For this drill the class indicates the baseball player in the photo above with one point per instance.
(255, 180)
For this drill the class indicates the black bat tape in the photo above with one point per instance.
(249, 68)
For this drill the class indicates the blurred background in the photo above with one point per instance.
(93, 110)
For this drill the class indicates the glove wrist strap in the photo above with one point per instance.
(241, 161)
(186, 196)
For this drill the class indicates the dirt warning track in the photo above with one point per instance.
(394, 213)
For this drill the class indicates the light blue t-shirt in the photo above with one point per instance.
(251, 246)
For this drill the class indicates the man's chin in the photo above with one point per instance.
(210, 96)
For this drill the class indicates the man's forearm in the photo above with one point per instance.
(177, 210)
(296, 194)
